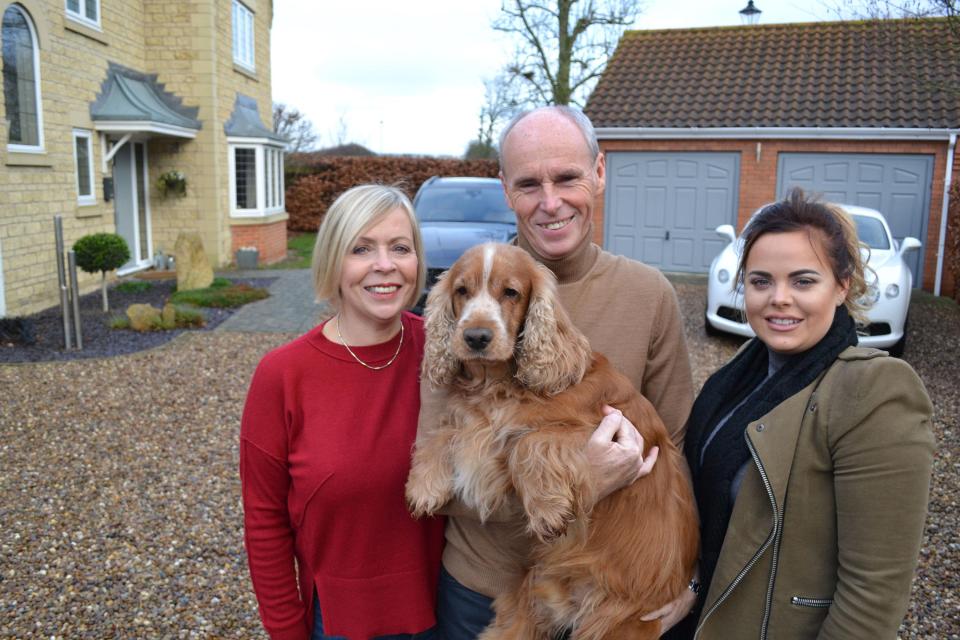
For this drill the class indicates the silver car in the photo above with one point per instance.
(889, 278)
(458, 213)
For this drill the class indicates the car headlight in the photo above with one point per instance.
(871, 296)
(723, 276)
(893, 290)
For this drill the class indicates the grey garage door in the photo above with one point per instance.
(898, 186)
(663, 208)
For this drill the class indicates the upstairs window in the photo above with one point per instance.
(21, 80)
(87, 11)
(83, 158)
(242, 36)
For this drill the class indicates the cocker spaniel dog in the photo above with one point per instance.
(523, 393)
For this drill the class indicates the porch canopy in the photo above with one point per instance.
(131, 102)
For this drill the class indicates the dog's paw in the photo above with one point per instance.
(423, 502)
(547, 527)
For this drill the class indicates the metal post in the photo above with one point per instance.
(62, 278)
(75, 291)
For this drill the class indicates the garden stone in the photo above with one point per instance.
(143, 317)
(193, 266)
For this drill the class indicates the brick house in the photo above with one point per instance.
(701, 127)
(102, 97)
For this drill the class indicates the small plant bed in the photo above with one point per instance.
(39, 337)
(180, 319)
(222, 294)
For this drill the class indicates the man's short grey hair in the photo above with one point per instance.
(577, 117)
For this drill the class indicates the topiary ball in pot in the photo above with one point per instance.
(101, 252)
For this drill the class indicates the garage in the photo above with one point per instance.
(896, 185)
(662, 208)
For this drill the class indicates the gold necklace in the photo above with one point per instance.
(350, 351)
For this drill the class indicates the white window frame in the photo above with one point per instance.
(268, 171)
(29, 148)
(81, 15)
(243, 36)
(90, 198)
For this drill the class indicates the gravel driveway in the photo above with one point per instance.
(120, 505)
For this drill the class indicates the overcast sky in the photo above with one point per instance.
(407, 77)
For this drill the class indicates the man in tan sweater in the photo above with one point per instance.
(553, 175)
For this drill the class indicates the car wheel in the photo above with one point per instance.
(897, 349)
(712, 331)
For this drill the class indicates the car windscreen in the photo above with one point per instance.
(464, 204)
(871, 232)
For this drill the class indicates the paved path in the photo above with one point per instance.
(289, 309)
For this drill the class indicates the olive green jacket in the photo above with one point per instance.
(826, 529)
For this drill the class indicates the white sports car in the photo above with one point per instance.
(888, 295)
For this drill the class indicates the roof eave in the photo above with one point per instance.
(144, 126)
(256, 140)
(795, 133)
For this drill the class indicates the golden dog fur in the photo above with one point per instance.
(523, 394)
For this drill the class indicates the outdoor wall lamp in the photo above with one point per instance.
(750, 14)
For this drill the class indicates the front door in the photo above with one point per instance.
(131, 209)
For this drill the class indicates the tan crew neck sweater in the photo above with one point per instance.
(629, 312)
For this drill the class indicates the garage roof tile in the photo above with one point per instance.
(886, 73)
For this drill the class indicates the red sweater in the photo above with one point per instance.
(324, 454)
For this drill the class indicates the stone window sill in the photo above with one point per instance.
(245, 72)
(18, 159)
(84, 30)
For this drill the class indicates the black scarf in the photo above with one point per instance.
(727, 452)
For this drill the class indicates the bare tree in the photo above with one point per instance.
(294, 126)
(887, 9)
(563, 45)
(501, 99)
(341, 132)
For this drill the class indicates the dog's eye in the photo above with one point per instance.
(511, 293)
(461, 291)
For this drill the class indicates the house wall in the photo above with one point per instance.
(268, 234)
(35, 187)
(188, 43)
(758, 177)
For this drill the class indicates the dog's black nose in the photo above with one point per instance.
(477, 339)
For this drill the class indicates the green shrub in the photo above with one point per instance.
(133, 286)
(221, 296)
(189, 318)
(185, 319)
(101, 252)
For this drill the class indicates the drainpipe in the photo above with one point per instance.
(942, 240)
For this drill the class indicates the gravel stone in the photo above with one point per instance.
(120, 508)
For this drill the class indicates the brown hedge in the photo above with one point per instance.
(314, 181)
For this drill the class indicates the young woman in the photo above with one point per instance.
(810, 456)
(325, 442)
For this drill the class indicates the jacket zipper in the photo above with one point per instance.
(800, 601)
(773, 538)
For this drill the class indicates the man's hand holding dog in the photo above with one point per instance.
(615, 453)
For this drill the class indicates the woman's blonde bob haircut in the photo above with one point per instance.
(353, 211)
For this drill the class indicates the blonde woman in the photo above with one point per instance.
(810, 456)
(325, 442)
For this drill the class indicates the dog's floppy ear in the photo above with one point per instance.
(553, 353)
(439, 364)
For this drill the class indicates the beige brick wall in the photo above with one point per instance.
(188, 43)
